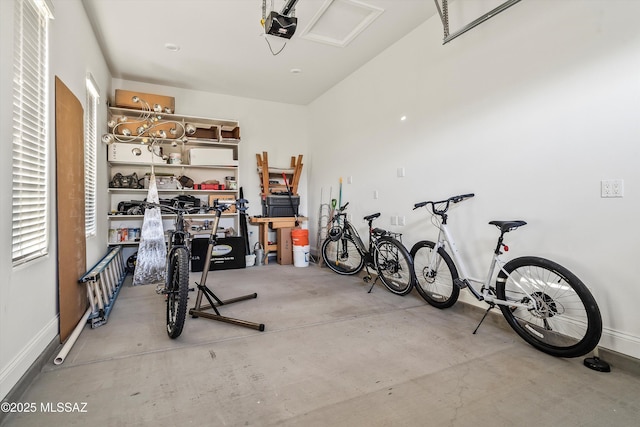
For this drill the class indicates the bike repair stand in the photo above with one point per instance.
(199, 310)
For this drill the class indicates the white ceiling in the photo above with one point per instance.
(223, 48)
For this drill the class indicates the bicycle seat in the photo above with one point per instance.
(506, 226)
(372, 216)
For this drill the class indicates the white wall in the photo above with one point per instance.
(530, 110)
(29, 293)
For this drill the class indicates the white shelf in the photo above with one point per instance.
(227, 150)
(181, 191)
(169, 216)
(224, 125)
(171, 166)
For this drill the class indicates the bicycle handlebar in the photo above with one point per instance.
(454, 199)
(169, 208)
(221, 204)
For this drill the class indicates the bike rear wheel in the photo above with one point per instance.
(177, 291)
(342, 255)
(435, 277)
(565, 322)
(394, 265)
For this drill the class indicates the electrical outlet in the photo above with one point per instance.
(394, 219)
(617, 188)
(402, 220)
(400, 172)
(611, 188)
(375, 194)
(349, 180)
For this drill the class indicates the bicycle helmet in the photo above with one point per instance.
(335, 233)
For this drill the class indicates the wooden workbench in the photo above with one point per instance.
(267, 223)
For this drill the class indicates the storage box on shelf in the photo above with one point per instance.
(280, 206)
(216, 156)
(207, 153)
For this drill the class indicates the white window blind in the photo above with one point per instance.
(30, 210)
(90, 143)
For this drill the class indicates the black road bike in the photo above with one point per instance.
(344, 252)
(176, 287)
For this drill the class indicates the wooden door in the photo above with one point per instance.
(72, 296)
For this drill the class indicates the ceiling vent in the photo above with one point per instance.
(338, 22)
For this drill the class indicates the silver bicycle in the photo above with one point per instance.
(544, 303)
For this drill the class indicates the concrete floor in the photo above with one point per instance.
(331, 355)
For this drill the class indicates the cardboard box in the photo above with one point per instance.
(285, 246)
(124, 99)
(229, 253)
(212, 156)
(230, 133)
(133, 153)
(206, 133)
(232, 208)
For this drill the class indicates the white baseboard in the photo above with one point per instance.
(620, 342)
(20, 364)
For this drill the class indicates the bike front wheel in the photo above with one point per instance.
(562, 319)
(342, 255)
(394, 265)
(177, 291)
(435, 274)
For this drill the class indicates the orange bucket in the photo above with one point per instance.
(300, 236)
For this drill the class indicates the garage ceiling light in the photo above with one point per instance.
(338, 22)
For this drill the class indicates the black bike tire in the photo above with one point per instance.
(443, 296)
(178, 291)
(333, 263)
(538, 336)
(385, 276)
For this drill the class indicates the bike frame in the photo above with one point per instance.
(351, 231)
(485, 294)
(179, 239)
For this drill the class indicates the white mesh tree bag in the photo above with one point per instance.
(152, 253)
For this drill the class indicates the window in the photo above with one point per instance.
(90, 143)
(30, 210)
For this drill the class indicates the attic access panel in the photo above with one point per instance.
(338, 22)
(473, 8)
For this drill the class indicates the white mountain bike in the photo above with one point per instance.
(546, 304)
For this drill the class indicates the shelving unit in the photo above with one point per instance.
(216, 156)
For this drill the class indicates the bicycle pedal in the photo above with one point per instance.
(192, 289)
(366, 279)
(460, 283)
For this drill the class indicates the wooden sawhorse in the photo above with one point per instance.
(273, 223)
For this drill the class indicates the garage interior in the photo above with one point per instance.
(532, 107)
